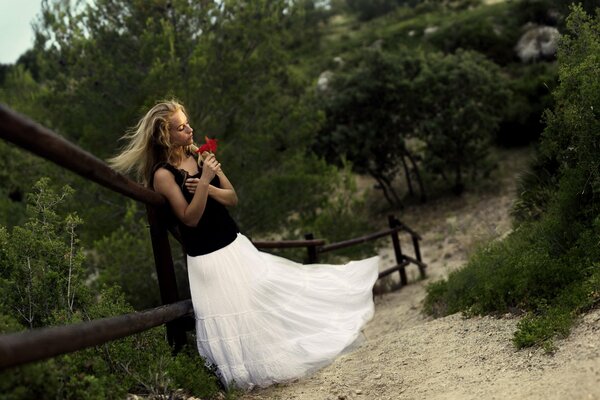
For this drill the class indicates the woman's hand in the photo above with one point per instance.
(191, 183)
(210, 168)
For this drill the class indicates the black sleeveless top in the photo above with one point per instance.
(215, 230)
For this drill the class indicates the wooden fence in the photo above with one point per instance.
(22, 347)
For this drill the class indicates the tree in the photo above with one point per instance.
(228, 63)
(461, 100)
(369, 116)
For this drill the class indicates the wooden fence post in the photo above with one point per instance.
(311, 249)
(397, 250)
(418, 255)
(165, 272)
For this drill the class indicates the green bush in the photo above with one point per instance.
(124, 258)
(531, 86)
(43, 283)
(489, 36)
(369, 9)
(461, 100)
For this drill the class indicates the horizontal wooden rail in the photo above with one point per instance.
(392, 269)
(287, 244)
(420, 264)
(38, 344)
(358, 240)
(41, 141)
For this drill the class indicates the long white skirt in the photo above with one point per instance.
(263, 319)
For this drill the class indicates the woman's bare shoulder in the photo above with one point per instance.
(163, 176)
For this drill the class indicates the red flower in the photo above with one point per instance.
(210, 146)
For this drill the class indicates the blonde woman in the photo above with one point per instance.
(260, 319)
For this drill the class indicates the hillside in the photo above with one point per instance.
(407, 355)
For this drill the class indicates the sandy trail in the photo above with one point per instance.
(408, 355)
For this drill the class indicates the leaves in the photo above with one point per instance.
(42, 260)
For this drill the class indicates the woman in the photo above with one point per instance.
(260, 319)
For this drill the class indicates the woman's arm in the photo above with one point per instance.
(225, 195)
(189, 214)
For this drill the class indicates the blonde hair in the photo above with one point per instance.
(150, 143)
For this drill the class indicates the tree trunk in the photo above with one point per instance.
(458, 182)
(407, 174)
(397, 201)
(418, 175)
(384, 189)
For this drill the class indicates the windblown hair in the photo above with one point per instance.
(150, 143)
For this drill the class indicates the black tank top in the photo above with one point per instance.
(215, 230)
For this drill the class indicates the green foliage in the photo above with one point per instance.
(550, 265)
(369, 112)
(369, 9)
(19, 169)
(41, 267)
(141, 364)
(573, 125)
(531, 86)
(342, 218)
(461, 101)
(488, 35)
(42, 283)
(550, 12)
(228, 62)
(452, 103)
(125, 259)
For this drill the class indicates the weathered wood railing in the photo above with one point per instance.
(38, 344)
(314, 247)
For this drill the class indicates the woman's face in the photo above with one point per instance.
(180, 130)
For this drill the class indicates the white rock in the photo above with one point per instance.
(430, 30)
(537, 42)
(323, 81)
(339, 61)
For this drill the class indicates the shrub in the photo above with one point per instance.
(461, 99)
(485, 35)
(531, 86)
(124, 258)
(549, 266)
(42, 283)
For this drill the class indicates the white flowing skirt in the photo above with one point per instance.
(263, 319)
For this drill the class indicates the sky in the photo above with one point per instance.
(16, 34)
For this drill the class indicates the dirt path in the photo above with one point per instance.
(408, 355)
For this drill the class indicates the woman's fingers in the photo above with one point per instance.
(191, 184)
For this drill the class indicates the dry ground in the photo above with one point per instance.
(408, 355)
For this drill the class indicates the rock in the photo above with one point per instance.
(538, 42)
(323, 81)
(430, 30)
(339, 61)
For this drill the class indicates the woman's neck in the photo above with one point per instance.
(177, 157)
